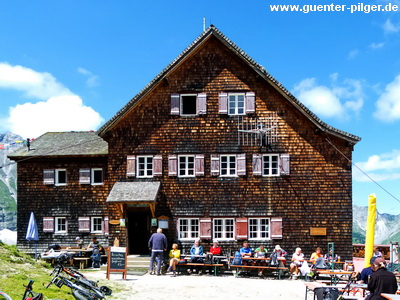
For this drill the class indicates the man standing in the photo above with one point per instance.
(381, 280)
(157, 245)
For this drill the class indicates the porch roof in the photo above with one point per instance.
(134, 192)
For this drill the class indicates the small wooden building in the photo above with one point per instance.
(213, 147)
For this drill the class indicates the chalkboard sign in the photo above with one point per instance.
(117, 261)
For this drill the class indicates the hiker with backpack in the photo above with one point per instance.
(98, 250)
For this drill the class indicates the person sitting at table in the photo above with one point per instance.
(317, 259)
(98, 251)
(245, 252)
(215, 249)
(175, 255)
(381, 280)
(278, 257)
(328, 257)
(196, 250)
(376, 253)
(297, 260)
(260, 252)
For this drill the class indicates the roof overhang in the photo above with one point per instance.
(134, 192)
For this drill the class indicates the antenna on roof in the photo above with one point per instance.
(204, 24)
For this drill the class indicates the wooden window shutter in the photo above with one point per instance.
(214, 164)
(276, 228)
(48, 176)
(131, 166)
(157, 165)
(223, 103)
(257, 164)
(201, 104)
(284, 164)
(250, 103)
(84, 224)
(241, 164)
(84, 176)
(175, 104)
(199, 165)
(241, 228)
(105, 226)
(48, 224)
(172, 165)
(205, 229)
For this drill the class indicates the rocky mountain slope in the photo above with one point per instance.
(8, 181)
(387, 227)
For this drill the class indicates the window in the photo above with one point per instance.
(188, 228)
(145, 166)
(61, 177)
(270, 165)
(97, 176)
(223, 229)
(60, 225)
(97, 225)
(186, 166)
(259, 228)
(228, 165)
(236, 104)
(188, 104)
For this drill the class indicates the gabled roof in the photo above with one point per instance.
(213, 31)
(52, 144)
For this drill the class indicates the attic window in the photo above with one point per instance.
(188, 104)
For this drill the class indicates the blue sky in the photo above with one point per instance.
(71, 65)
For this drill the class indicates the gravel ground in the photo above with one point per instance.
(203, 287)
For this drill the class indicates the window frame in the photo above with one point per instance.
(57, 225)
(181, 104)
(228, 168)
(270, 169)
(259, 232)
(186, 168)
(138, 170)
(57, 177)
(236, 106)
(92, 182)
(224, 231)
(93, 224)
(191, 235)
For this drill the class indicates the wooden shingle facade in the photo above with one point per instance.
(215, 148)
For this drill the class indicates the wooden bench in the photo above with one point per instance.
(83, 261)
(215, 266)
(277, 269)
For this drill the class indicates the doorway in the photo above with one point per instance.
(138, 232)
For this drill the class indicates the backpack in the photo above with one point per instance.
(237, 259)
(320, 263)
(273, 261)
(96, 258)
(326, 293)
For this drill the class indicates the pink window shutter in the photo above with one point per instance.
(175, 104)
(284, 164)
(199, 165)
(172, 165)
(201, 105)
(276, 228)
(106, 225)
(131, 166)
(48, 176)
(241, 229)
(223, 103)
(48, 224)
(214, 164)
(257, 164)
(84, 176)
(157, 161)
(205, 228)
(250, 103)
(241, 164)
(84, 224)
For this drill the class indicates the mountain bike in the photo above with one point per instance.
(28, 295)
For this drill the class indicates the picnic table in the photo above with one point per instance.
(334, 274)
(278, 268)
(215, 266)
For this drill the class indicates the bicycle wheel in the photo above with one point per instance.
(4, 296)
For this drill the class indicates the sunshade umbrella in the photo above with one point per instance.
(32, 231)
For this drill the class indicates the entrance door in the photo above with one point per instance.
(139, 232)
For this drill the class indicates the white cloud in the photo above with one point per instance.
(376, 46)
(380, 167)
(92, 80)
(388, 104)
(353, 54)
(337, 100)
(389, 27)
(58, 110)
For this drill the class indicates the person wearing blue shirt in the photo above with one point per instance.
(366, 272)
(196, 250)
(245, 252)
